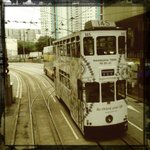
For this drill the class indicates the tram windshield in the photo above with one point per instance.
(92, 92)
(106, 45)
(88, 44)
(121, 89)
(108, 92)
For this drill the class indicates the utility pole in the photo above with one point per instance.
(55, 20)
(23, 45)
(3, 64)
(101, 10)
(6, 88)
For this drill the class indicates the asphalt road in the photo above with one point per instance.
(69, 131)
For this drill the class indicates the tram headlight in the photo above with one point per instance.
(125, 118)
(88, 122)
(109, 119)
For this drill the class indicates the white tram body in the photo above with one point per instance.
(90, 78)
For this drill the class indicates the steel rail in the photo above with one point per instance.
(18, 111)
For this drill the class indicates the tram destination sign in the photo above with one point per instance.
(95, 24)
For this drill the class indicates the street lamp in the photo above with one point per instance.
(72, 23)
(27, 34)
(23, 45)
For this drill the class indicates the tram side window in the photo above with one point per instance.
(106, 45)
(92, 92)
(107, 91)
(88, 44)
(121, 89)
(121, 44)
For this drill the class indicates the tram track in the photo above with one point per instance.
(123, 141)
(57, 137)
(23, 124)
(39, 120)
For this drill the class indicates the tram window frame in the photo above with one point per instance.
(103, 50)
(92, 92)
(108, 96)
(88, 50)
(121, 45)
(120, 89)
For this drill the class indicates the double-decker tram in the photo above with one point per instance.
(48, 59)
(90, 77)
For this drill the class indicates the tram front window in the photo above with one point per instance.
(92, 92)
(88, 43)
(108, 92)
(106, 45)
(121, 89)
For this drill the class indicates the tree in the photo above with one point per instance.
(42, 42)
(25, 47)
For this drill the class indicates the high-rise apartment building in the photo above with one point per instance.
(61, 21)
(46, 20)
(77, 16)
(52, 20)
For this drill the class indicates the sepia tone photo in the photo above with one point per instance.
(74, 75)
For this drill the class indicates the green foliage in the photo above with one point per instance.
(42, 42)
(25, 47)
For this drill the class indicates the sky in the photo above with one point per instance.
(20, 14)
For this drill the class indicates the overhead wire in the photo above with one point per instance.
(60, 21)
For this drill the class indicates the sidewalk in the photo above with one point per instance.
(136, 92)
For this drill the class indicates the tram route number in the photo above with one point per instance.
(88, 34)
